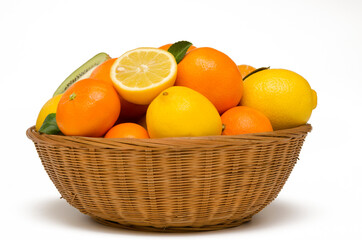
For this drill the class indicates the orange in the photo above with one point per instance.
(241, 120)
(143, 122)
(102, 72)
(213, 74)
(131, 112)
(88, 108)
(167, 46)
(127, 130)
(245, 70)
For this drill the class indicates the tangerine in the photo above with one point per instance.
(102, 72)
(241, 120)
(127, 130)
(213, 74)
(88, 108)
(245, 70)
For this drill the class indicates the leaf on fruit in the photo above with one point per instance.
(179, 49)
(255, 71)
(50, 125)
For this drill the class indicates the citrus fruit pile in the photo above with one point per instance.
(176, 90)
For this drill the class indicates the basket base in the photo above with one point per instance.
(173, 229)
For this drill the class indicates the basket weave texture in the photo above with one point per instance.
(171, 184)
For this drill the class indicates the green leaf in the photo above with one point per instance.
(50, 125)
(179, 49)
(255, 71)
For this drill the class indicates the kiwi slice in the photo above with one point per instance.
(82, 72)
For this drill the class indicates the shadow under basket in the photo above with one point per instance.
(171, 184)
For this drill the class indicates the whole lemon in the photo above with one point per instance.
(182, 112)
(285, 97)
(49, 107)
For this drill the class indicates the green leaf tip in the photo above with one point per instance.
(255, 71)
(179, 49)
(50, 125)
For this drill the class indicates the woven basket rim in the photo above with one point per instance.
(79, 141)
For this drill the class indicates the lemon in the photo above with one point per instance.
(141, 74)
(285, 97)
(182, 112)
(49, 107)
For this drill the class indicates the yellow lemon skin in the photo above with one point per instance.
(182, 112)
(284, 96)
(49, 107)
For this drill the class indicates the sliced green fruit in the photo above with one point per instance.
(82, 72)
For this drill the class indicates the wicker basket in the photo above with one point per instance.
(171, 184)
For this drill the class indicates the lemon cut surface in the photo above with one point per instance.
(141, 74)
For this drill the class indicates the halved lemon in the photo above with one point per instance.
(141, 74)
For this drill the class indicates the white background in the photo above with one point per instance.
(42, 42)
